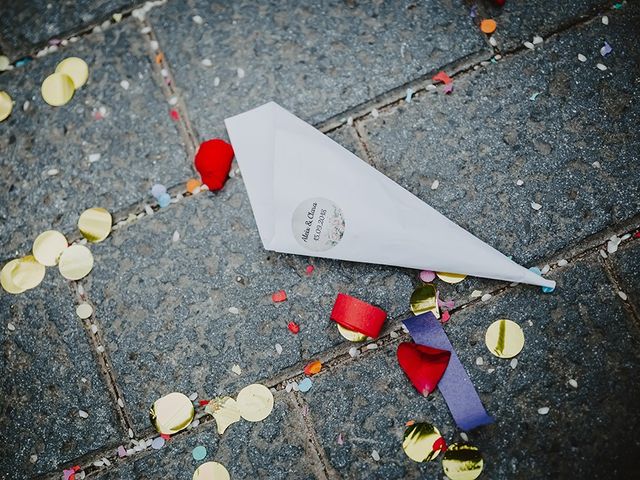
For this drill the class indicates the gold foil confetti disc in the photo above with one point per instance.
(57, 89)
(351, 335)
(225, 411)
(6, 279)
(75, 262)
(95, 224)
(423, 299)
(504, 338)
(451, 277)
(462, 461)
(76, 68)
(6, 105)
(172, 413)
(48, 247)
(84, 310)
(27, 273)
(419, 441)
(211, 471)
(255, 402)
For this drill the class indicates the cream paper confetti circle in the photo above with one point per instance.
(95, 224)
(75, 262)
(211, 471)
(27, 273)
(6, 278)
(57, 89)
(84, 311)
(48, 247)
(462, 462)
(255, 402)
(76, 68)
(6, 105)
(172, 413)
(504, 338)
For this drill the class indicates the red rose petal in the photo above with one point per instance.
(423, 365)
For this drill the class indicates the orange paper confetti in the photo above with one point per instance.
(313, 368)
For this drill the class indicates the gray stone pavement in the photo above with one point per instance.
(162, 321)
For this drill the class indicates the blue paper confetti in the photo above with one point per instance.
(305, 385)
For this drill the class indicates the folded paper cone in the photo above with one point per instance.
(310, 196)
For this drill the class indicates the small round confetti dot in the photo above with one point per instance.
(504, 338)
(6, 105)
(28, 273)
(211, 471)
(84, 310)
(157, 443)
(255, 402)
(305, 385)
(451, 277)
(48, 247)
(95, 224)
(57, 89)
(158, 189)
(419, 442)
(76, 68)
(199, 453)
(488, 26)
(75, 262)
(462, 461)
(427, 276)
(164, 200)
(172, 413)
(192, 184)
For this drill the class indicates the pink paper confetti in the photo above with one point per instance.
(122, 452)
(444, 318)
(448, 88)
(427, 276)
(340, 439)
(310, 269)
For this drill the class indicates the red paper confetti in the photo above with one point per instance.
(423, 365)
(444, 318)
(358, 316)
(203, 402)
(310, 269)
(439, 444)
(442, 77)
(636, 235)
(166, 437)
(294, 327)
(313, 368)
(174, 114)
(279, 296)
(213, 162)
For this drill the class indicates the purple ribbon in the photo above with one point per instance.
(455, 385)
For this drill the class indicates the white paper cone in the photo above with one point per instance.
(310, 196)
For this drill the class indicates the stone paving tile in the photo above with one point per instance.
(273, 448)
(315, 59)
(137, 142)
(521, 21)
(486, 135)
(24, 26)
(164, 306)
(48, 374)
(579, 332)
(626, 262)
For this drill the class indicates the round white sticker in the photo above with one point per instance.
(318, 224)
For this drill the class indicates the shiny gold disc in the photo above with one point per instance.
(75, 262)
(351, 335)
(419, 440)
(462, 461)
(76, 68)
(28, 273)
(211, 471)
(225, 411)
(504, 338)
(172, 413)
(48, 247)
(451, 277)
(57, 89)
(6, 105)
(6, 277)
(95, 224)
(255, 402)
(423, 299)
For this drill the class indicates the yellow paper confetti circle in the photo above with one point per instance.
(419, 441)
(76, 68)
(255, 402)
(48, 247)
(504, 338)
(84, 310)
(95, 224)
(27, 273)
(75, 262)
(6, 277)
(351, 335)
(423, 299)
(6, 105)
(225, 411)
(462, 461)
(57, 89)
(451, 277)
(211, 471)
(172, 413)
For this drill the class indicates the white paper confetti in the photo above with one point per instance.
(236, 369)
(125, 84)
(479, 361)
(573, 383)
(536, 206)
(622, 295)
(176, 236)
(537, 40)
(543, 410)
(375, 455)
(206, 62)
(234, 310)
(601, 66)
(11, 326)
(279, 348)
(529, 45)
(476, 294)
(435, 185)
(562, 263)
(514, 363)
(485, 297)
(582, 58)
(83, 414)
(197, 19)
(240, 73)
(374, 113)
(605, 20)
(519, 183)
